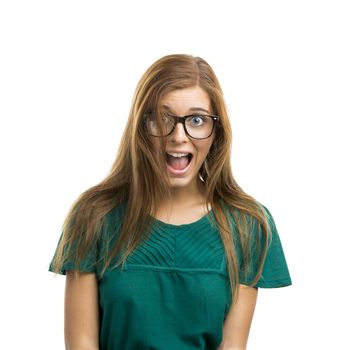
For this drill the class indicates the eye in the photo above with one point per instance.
(197, 120)
(166, 118)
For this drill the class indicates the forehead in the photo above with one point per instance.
(186, 100)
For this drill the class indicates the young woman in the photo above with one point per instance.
(168, 252)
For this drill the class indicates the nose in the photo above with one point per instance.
(179, 134)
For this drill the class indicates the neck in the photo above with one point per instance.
(185, 197)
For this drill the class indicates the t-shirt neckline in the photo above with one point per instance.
(199, 221)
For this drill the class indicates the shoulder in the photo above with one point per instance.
(234, 214)
(115, 214)
(112, 222)
(257, 225)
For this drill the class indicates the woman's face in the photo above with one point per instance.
(185, 155)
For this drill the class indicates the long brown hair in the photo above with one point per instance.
(137, 178)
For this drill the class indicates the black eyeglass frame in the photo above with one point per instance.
(182, 120)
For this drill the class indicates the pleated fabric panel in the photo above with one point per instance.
(159, 250)
(191, 246)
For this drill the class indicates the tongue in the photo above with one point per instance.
(178, 163)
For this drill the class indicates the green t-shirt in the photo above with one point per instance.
(173, 292)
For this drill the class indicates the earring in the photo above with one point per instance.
(206, 167)
(204, 171)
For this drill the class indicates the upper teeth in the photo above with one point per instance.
(178, 154)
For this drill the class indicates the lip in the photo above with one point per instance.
(182, 171)
(177, 151)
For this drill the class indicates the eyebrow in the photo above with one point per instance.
(195, 109)
(192, 109)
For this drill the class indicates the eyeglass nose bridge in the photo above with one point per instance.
(181, 120)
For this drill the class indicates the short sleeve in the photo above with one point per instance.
(93, 259)
(88, 263)
(275, 271)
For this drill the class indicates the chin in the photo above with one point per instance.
(181, 183)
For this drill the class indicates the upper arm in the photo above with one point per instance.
(81, 311)
(239, 318)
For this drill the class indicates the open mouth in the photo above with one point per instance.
(178, 162)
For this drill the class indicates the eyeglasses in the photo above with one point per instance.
(196, 126)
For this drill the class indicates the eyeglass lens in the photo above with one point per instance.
(197, 126)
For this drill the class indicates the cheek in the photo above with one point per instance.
(208, 145)
(204, 149)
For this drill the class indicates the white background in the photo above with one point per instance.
(67, 75)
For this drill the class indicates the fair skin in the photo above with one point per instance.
(186, 205)
(81, 314)
(238, 321)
